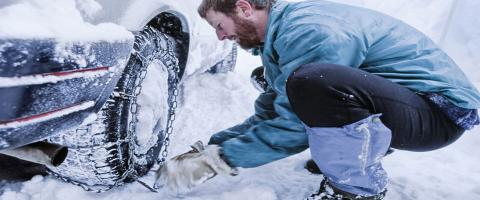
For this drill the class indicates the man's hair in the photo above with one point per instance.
(228, 6)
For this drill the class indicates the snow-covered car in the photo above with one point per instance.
(101, 78)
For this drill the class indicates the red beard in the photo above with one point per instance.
(246, 33)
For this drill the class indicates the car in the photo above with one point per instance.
(100, 78)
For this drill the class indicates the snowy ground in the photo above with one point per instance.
(215, 102)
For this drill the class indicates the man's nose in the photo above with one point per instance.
(221, 35)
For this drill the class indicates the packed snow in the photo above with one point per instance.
(56, 19)
(212, 102)
(153, 106)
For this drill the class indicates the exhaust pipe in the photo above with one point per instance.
(50, 155)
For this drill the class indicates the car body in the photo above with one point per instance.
(68, 67)
(30, 110)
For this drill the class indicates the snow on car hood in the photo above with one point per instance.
(63, 20)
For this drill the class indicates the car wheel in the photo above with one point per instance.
(126, 138)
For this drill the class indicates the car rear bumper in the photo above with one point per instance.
(47, 86)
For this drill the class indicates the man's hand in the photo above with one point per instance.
(193, 168)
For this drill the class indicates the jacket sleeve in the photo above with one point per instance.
(271, 139)
(263, 111)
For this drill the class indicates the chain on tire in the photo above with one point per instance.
(171, 62)
(168, 57)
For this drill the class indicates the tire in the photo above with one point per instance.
(125, 140)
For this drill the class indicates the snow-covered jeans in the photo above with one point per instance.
(352, 117)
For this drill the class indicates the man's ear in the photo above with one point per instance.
(244, 8)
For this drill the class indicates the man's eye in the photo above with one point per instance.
(219, 27)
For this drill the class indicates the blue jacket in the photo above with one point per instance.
(325, 32)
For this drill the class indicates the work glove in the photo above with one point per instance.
(193, 168)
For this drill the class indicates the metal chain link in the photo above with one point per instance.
(172, 101)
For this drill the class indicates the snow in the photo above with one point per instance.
(211, 103)
(363, 128)
(152, 107)
(56, 19)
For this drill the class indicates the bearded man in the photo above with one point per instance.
(348, 82)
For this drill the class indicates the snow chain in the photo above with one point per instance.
(169, 59)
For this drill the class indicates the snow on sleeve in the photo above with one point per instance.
(40, 19)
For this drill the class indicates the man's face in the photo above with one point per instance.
(241, 30)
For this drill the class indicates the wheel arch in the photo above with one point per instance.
(175, 24)
(169, 20)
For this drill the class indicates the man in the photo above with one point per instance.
(347, 82)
